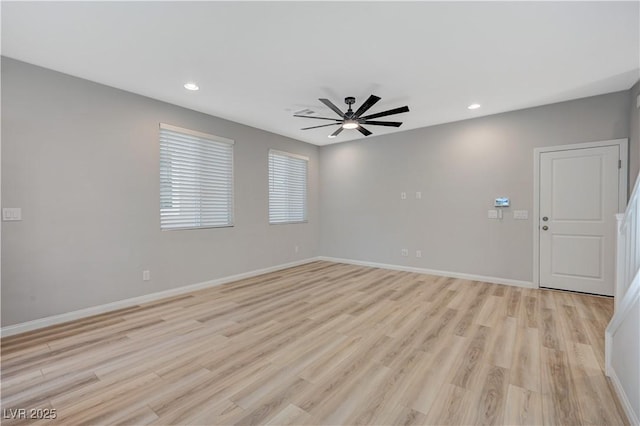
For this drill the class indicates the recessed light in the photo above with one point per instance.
(474, 106)
(350, 124)
(191, 86)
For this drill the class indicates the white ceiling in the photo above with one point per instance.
(258, 62)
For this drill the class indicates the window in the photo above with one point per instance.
(287, 187)
(196, 179)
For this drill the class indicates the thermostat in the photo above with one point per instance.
(502, 202)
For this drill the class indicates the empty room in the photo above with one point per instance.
(320, 213)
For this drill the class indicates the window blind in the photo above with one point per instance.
(196, 179)
(287, 187)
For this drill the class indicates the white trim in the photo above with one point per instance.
(619, 316)
(628, 300)
(622, 397)
(620, 313)
(622, 188)
(608, 368)
(196, 133)
(95, 310)
(464, 276)
(620, 249)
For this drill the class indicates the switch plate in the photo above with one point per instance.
(146, 275)
(403, 195)
(418, 253)
(520, 214)
(404, 252)
(11, 214)
(492, 214)
(418, 195)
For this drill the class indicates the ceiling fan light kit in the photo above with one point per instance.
(351, 120)
(350, 124)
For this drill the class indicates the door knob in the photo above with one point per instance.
(544, 228)
(545, 218)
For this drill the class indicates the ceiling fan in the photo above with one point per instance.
(355, 120)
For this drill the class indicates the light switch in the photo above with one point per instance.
(520, 214)
(11, 214)
(492, 214)
(403, 195)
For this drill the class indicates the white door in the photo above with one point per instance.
(578, 202)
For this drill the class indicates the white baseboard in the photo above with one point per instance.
(472, 277)
(622, 397)
(10, 330)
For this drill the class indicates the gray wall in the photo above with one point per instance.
(460, 168)
(81, 160)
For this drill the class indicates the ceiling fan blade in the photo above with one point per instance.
(318, 118)
(365, 106)
(385, 113)
(382, 123)
(323, 125)
(333, 108)
(337, 132)
(363, 131)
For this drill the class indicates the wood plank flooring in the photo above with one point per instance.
(324, 343)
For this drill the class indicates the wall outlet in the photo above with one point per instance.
(418, 253)
(403, 195)
(11, 214)
(404, 252)
(520, 214)
(418, 195)
(146, 275)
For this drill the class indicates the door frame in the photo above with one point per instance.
(623, 178)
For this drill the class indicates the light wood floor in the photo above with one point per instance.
(325, 343)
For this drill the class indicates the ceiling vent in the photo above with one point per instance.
(305, 111)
